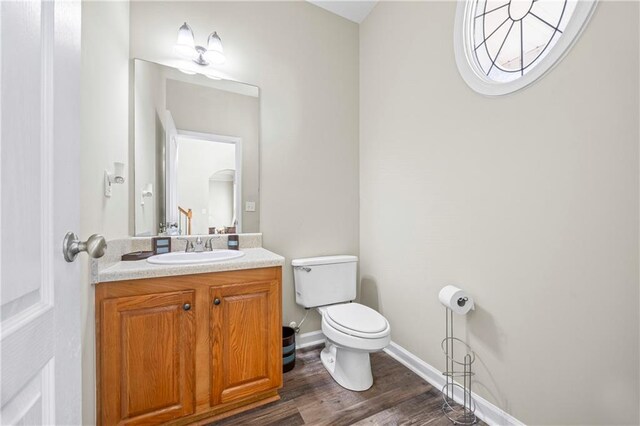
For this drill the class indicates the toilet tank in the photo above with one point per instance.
(324, 280)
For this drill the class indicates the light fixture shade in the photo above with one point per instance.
(185, 45)
(215, 52)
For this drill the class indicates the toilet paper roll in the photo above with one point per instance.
(456, 299)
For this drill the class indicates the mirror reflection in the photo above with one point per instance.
(196, 153)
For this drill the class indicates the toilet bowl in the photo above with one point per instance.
(352, 331)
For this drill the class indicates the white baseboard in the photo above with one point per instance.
(485, 410)
(312, 338)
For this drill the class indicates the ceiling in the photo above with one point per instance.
(355, 11)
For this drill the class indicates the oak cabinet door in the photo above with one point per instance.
(147, 363)
(246, 340)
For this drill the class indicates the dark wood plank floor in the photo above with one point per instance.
(311, 397)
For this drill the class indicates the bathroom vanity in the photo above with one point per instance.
(188, 343)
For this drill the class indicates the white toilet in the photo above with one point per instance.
(352, 330)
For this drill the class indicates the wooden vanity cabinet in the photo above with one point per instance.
(187, 349)
(246, 359)
(150, 341)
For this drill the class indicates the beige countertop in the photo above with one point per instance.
(253, 258)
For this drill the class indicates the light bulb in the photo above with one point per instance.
(215, 52)
(185, 44)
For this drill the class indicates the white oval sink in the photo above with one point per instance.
(182, 258)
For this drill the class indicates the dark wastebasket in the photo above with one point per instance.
(288, 349)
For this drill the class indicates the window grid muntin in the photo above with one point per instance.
(502, 74)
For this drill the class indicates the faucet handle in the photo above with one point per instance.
(209, 245)
(189, 246)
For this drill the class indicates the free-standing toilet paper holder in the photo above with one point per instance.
(457, 369)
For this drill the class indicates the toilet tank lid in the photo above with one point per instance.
(323, 260)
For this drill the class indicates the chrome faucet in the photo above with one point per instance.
(189, 247)
(199, 245)
(208, 246)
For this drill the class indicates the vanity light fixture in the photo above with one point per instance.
(116, 177)
(186, 47)
(147, 191)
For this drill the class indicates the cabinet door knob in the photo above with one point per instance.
(216, 301)
(186, 306)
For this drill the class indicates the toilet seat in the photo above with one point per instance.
(352, 332)
(356, 320)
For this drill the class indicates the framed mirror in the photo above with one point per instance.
(197, 154)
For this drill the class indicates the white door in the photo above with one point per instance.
(40, 359)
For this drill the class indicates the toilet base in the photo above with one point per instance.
(350, 368)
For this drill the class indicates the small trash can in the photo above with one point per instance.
(288, 349)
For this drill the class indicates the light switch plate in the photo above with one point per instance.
(250, 206)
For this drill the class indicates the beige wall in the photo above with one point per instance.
(104, 139)
(305, 61)
(528, 201)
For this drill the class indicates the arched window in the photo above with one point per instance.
(504, 45)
